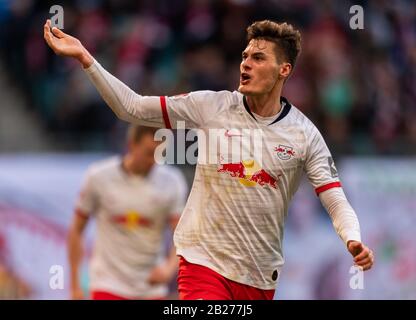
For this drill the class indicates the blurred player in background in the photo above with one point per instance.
(133, 201)
(230, 235)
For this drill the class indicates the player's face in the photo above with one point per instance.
(259, 69)
(142, 153)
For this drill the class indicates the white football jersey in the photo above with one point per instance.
(234, 218)
(132, 213)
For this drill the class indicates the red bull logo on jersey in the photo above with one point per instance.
(284, 152)
(131, 220)
(249, 173)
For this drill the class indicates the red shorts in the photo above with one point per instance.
(199, 282)
(104, 295)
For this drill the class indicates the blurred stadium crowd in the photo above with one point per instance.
(356, 85)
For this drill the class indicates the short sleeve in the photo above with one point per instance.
(319, 165)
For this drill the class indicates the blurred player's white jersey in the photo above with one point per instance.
(132, 213)
(234, 218)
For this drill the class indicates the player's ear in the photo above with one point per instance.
(284, 70)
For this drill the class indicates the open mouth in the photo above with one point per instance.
(244, 78)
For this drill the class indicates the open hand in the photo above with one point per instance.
(65, 45)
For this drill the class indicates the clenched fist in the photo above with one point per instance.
(363, 256)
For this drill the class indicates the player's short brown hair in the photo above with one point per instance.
(136, 132)
(286, 38)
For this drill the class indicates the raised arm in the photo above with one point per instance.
(194, 109)
(125, 103)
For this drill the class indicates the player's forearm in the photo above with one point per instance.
(125, 103)
(75, 255)
(343, 216)
(172, 261)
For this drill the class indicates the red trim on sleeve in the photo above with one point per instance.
(165, 112)
(328, 186)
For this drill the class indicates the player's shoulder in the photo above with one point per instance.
(167, 173)
(296, 117)
(230, 97)
(104, 167)
(169, 178)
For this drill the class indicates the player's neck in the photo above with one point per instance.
(129, 168)
(266, 105)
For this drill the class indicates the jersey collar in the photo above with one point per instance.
(286, 108)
